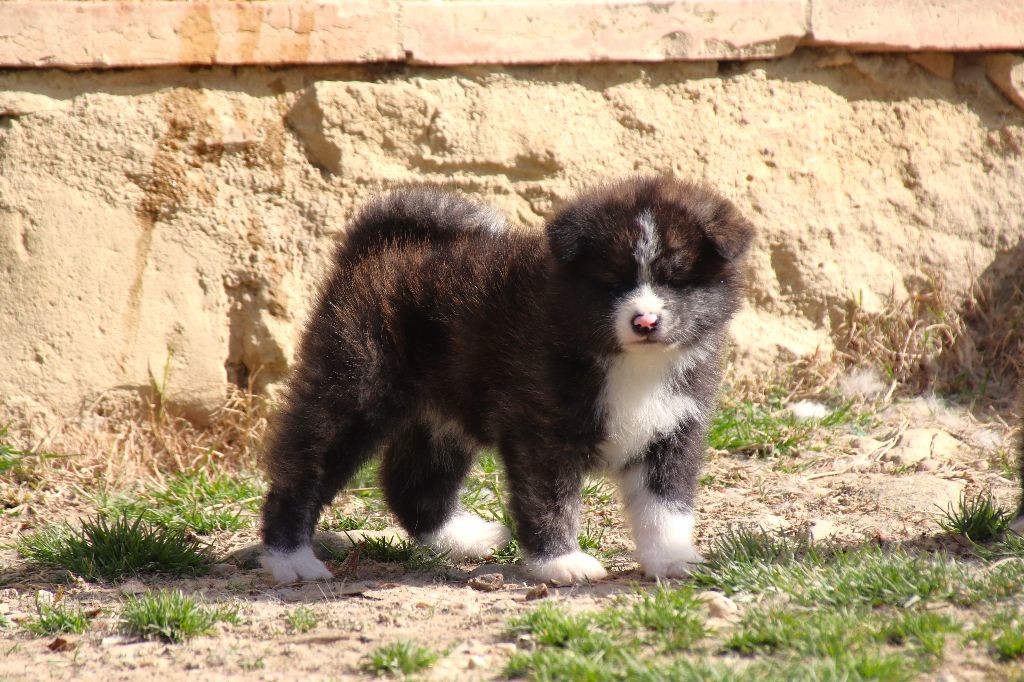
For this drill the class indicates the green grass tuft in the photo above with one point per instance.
(301, 619)
(197, 501)
(390, 549)
(613, 643)
(399, 658)
(56, 618)
(16, 461)
(976, 518)
(114, 548)
(172, 616)
(1003, 634)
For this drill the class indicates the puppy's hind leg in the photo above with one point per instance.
(422, 473)
(310, 457)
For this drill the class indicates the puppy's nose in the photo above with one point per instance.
(645, 323)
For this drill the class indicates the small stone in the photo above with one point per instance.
(506, 648)
(538, 591)
(823, 530)
(719, 606)
(223, 569)
(980, 465)
(866, 445)
(526, 641)
(771, 522)
(858, 463)
(927, 465)
(489, 582)
(132, 586)
(476, 662)
(60, 644)
(44, 597)
(939, 64)
(834, 59)
(1006, 71)
(916, 445)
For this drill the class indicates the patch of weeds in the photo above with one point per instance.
(511, 553)
(850, 641)
(597, 490)
(757, 562)
(365, 482)
(114, 548)
(399, 658)
(339, 523)
(1002, 633)
(769, 429)
(172, 616)
(976, 518)
(56, 618)
(997, 581)
(674, 615)
(198, 501)
(483, 492)
(1010, 544)
(925, 629)
(590, 538)
(613, 643)
(390, 549)
(301, 619)
(14, 460)
(756, 545)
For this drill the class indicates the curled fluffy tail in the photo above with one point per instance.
(417, 214)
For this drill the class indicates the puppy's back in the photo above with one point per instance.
(416, 215)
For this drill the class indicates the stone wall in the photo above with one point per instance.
(164, 226)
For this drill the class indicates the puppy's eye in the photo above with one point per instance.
(680, 282)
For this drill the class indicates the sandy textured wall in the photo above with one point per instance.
(173, 221)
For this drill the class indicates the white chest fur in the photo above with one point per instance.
(641, 402)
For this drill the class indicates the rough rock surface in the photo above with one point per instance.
(166, 227)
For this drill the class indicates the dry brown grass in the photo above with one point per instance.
(123, 441)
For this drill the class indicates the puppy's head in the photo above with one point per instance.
(652, 263)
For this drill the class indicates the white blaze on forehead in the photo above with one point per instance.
(647, 246)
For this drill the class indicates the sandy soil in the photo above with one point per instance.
(855, 483)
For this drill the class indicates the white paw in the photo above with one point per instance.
(674, 562)
(290, 567)
(1017, 525)
(466, 536)
(567, 569)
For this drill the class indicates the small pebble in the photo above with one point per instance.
(132, 586)
(223, 569)
(476, 662)
(490, 582)
(60, 644)
(927, 465)
(822, 530)
(718, 604)
(538, 591)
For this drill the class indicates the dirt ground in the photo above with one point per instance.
(880, 479)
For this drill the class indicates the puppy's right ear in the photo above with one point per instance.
(565, 237)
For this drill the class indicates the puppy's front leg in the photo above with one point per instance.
(546, 507)
(659, 493)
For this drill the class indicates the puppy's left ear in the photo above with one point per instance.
(565, 236)
(729, 232)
